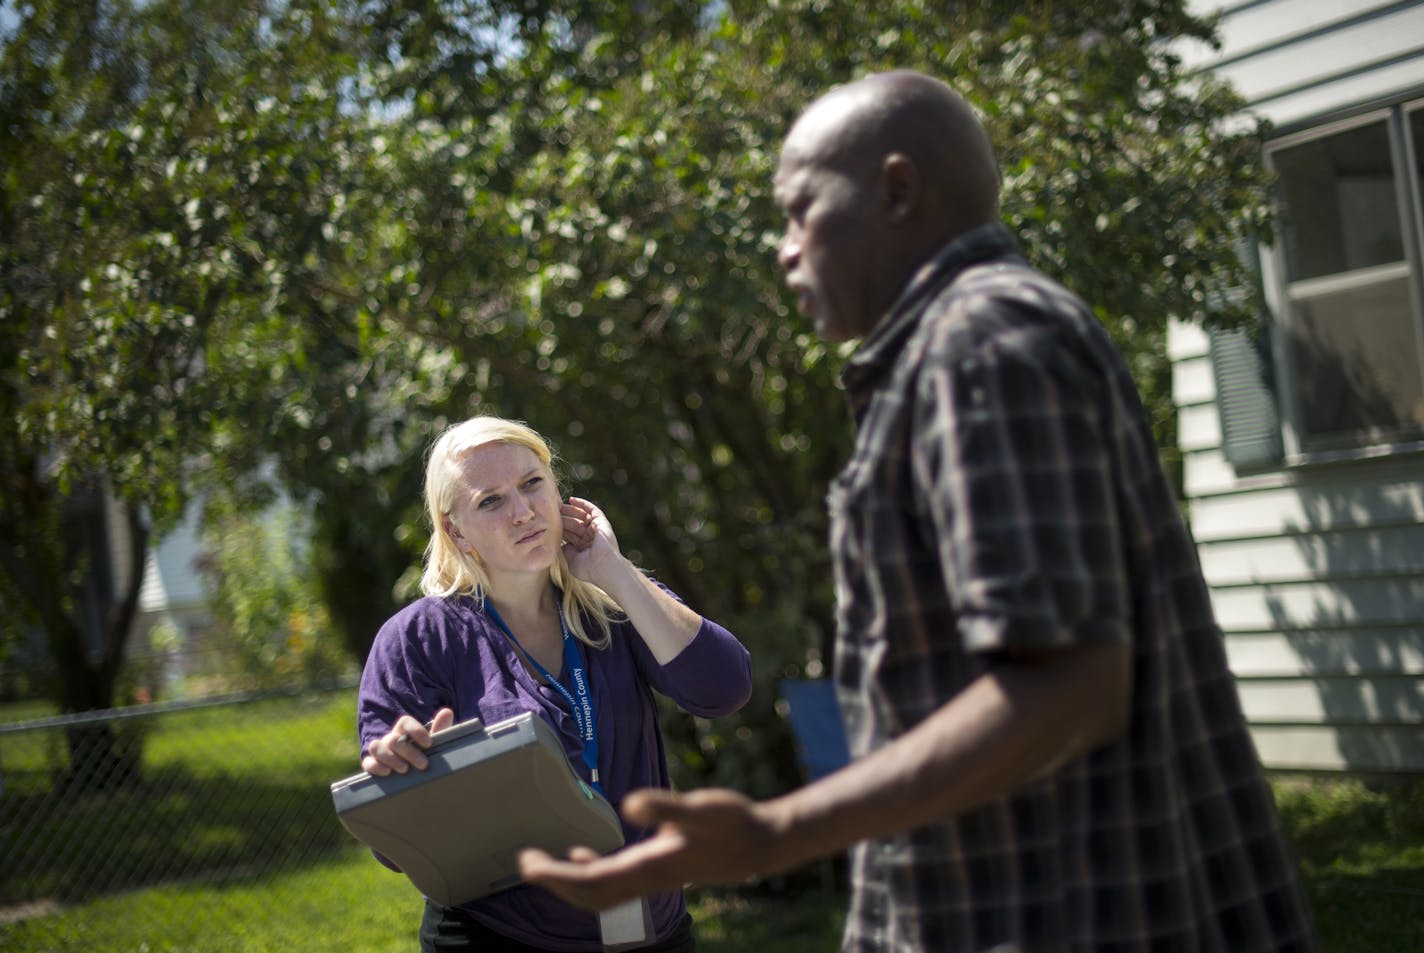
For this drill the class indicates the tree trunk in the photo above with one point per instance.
(60, 562)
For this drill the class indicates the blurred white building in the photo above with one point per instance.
(1304, 444)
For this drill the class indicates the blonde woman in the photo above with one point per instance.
(525, 594)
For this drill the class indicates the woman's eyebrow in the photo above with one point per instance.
(479, 491)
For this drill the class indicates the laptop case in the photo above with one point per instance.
(456, 828)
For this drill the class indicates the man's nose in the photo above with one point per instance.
(788, 252)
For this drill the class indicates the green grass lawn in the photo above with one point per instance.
(354, 905)
(272, 871)
(231, 788)
(266, 869)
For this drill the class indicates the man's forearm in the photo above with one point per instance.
(1020, 720)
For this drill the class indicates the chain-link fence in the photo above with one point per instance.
(166, 801)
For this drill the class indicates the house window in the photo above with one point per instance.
(1350, 227)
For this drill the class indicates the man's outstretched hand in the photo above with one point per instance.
(710, 836)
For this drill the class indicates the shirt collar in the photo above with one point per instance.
(879, 349)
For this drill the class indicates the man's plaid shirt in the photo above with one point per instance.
(1005, 493)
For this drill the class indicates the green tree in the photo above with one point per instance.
(632, 307)
(310, 233)
(177, 177)
(61, 73)
(206, 233)
(269, 621)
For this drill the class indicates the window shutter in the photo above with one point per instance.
(1245, 387)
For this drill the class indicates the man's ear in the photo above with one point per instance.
(902, 187)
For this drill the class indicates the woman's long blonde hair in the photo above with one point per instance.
(449, 571)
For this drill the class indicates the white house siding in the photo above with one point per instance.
(1317, 576)
(1297, 60)
(170, 578)
(172, 594)
(1316, 571)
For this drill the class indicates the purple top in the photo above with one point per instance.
(437, 652)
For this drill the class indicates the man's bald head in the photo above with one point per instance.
(857, 126)
(875, 177)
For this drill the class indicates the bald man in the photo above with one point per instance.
(1049, 750)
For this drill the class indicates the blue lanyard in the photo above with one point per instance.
(582, 706)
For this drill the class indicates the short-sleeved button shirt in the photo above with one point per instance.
(1005, 493)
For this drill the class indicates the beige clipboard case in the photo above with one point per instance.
(456, 828)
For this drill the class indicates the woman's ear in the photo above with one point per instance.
(454, 533)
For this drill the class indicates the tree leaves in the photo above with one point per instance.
(304, 236)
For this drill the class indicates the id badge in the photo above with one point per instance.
(628, 925)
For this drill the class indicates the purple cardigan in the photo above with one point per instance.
(447, 652)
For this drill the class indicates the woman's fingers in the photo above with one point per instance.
(579, 529)
(402, 748)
